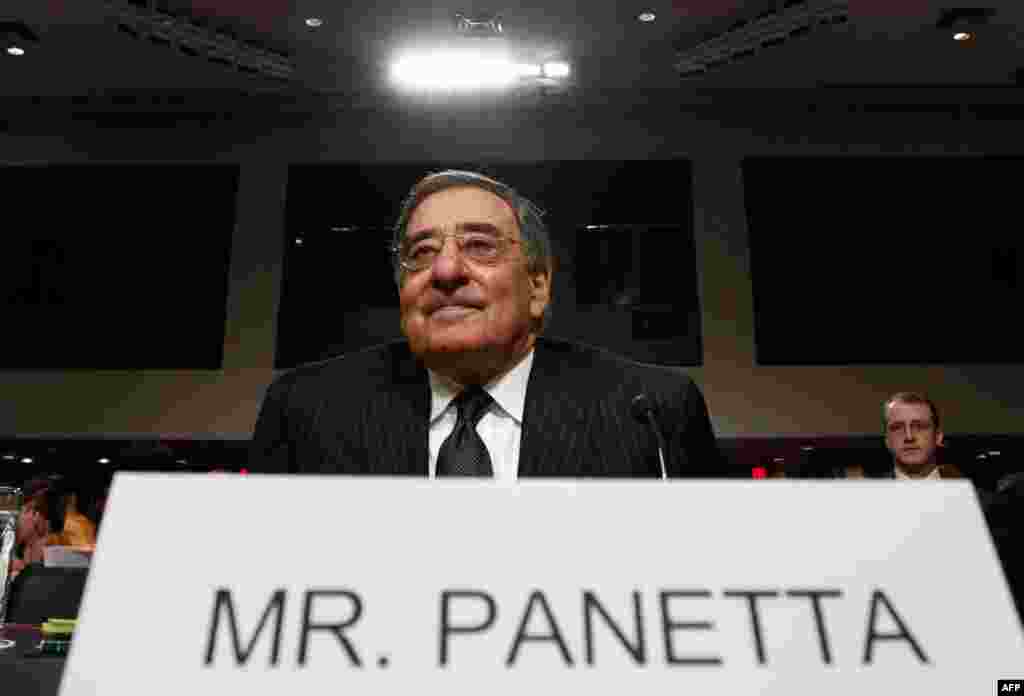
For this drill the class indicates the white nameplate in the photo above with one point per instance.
(276, 585)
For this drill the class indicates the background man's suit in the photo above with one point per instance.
(367, 413)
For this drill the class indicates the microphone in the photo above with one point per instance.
(643, 410)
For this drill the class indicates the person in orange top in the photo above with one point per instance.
(78, 529)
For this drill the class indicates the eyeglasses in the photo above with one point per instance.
(479, 247)
(915, 427)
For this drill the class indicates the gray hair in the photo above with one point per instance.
(532, 230)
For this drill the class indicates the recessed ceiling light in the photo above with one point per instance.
(102, 460)
(16, 50)
(962, 36)
(647, 16)
(314, 22)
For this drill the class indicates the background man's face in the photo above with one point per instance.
(855, 471)
(911, 436)
(458, 307)
(32, 524)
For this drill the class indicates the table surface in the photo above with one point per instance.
(21, 671)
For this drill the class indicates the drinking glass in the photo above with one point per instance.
(10, 507)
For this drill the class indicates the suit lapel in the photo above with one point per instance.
(550, 422)
(404, 439)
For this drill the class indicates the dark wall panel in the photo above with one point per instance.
(885, 260)
(115, 266)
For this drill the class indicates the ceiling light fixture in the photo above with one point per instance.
(480, 25)
(647, 16)
(477, 57)
(16, 37)
(314, 22)
(964, 23)
(459, 69)
(771, 28)
(467, 69)
(195, 38)
(556, 70)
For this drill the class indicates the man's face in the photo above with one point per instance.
(911, 436)
(32, 524)
(466, 319)
(855, 471)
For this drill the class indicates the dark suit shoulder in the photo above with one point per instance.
(327, 416)
(382, 363)
(599, 368)
(585, 394)
(950, 471)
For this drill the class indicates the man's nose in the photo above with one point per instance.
(449, 266)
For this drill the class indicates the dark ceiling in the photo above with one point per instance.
(893, 45)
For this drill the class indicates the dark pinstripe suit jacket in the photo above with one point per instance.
(368, 412)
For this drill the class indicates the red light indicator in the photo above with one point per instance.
(759, 472)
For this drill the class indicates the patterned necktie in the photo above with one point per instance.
(463, 452)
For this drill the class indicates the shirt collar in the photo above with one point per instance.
(933, 474)
(508, 391)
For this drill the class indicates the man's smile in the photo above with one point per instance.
(453, 312)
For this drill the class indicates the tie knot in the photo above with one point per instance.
(472, 403)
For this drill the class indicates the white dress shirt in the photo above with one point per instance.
(501, 425)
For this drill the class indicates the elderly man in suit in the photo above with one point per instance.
(475, 390)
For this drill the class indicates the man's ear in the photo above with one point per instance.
(939, 438)
(540, 292)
